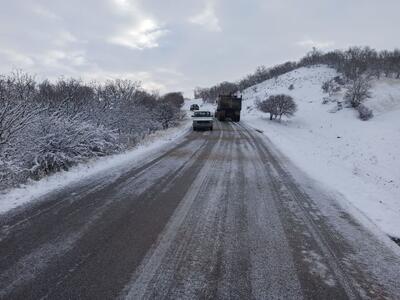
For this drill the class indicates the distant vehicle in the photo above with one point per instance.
(202, 120)
(194, 107)
(229, 106)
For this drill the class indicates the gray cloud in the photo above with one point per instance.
(180, 44)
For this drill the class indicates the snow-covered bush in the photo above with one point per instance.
(64, 141)
(365, 113)
(331, 87)
(17, 109)
(10, 171)
(46, 127)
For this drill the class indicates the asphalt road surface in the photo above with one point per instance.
(218, 215)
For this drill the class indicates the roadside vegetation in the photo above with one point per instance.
(357, 66)
(277, 106)
(352, 63)
(48, 126)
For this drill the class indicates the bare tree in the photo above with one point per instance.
(358, 91)
(277, 106)
(266, 106)
(174, 98)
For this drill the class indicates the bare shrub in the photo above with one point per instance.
(63, 141)
(16, 108)
(358, 91)
(48, 126)
(175, 99)
(365, 113)
(277, 106)
(339, 80)
(331, 87)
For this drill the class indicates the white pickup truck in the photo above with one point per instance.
(202, 120)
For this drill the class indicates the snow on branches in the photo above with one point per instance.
(48, 126)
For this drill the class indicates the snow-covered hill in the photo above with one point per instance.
(359, 159)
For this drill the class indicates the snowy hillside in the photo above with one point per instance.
(359, 159)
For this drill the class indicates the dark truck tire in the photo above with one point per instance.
(235, 118)
(221, 115)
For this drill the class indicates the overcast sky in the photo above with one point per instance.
(176, 45)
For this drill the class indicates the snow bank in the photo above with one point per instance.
(149, 147)
(359, 159)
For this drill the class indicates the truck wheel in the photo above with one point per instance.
(237, 118)
(211, 128)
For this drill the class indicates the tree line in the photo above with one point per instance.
(50, 126)
(352, 63)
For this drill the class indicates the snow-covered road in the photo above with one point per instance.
(220, 215)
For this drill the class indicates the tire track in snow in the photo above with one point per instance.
(21, 270)
(152, 272)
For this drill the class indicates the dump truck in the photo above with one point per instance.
(229, 106)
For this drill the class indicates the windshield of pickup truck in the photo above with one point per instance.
(202, 114)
